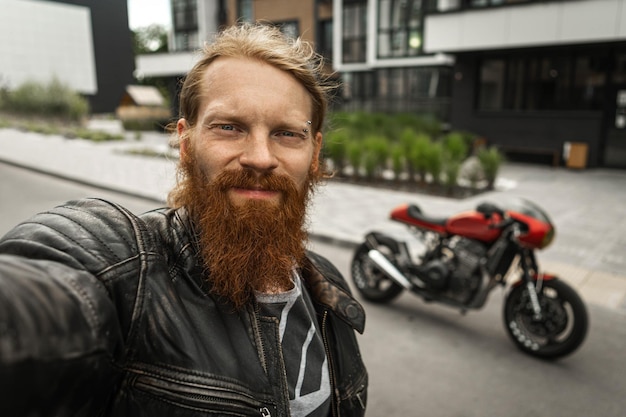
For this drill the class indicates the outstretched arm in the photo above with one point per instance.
(61, 341)
(57, 339)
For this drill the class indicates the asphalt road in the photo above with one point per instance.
(425, 359)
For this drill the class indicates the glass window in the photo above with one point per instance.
(396, 80)
(589, 81)
(514, 89)
(384, 10)
(549, 80)
(325, 47)
(400, 28)
(619, 69)
(246, 11)
(185, 15)
(491, 84)
(354, 32)
(358, 85)
(289, 29)
(572, 81)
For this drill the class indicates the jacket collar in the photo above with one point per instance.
(328, 288)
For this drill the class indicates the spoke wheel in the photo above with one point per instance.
(369, 280)
(559, 331)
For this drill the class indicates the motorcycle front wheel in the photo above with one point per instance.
(369, 280)
(559, 331)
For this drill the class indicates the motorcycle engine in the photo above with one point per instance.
(456, 274)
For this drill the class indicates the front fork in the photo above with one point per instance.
(529, 268)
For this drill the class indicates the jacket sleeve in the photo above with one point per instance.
(60, 334)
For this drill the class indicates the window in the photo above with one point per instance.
(185, 15)
(491, 84)
(289, 29)
(325, 39)
(424, 90)
(550, 81)
(548, 84)
(589, 81)
(619, 69)
(354, 31)
(358, 85)
(245, 10)
(514, 87)
(186, 41)
(399, 28)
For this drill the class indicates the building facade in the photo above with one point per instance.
(195, 22)
(529, 76)
(84, 44)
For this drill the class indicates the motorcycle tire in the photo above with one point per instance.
(561, 329)
(369, 280)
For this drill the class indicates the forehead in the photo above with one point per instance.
(251, 80)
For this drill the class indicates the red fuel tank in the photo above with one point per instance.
(474, 225)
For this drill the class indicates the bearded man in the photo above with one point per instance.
(212, 306)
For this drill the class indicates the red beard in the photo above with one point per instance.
(245, 247)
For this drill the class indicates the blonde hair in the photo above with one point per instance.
(269, 45)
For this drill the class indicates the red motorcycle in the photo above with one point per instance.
(463, 257)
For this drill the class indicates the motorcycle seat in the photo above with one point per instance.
(415, 212)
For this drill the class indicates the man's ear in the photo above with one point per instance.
(182, 128)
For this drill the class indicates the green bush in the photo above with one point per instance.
(355, 157)
(424, 123)
(455, 147)
(370, 164)
(53, 100)
(411, 145)
(336, 148)
(406, 141)
(377, 149)
(398, 160)
(490, 160)
(434, 161)
(419, 155)
(452, 169)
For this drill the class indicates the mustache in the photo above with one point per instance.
(251, 180)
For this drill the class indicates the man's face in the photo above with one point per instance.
(253, 117)
(250, 164)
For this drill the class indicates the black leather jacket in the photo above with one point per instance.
(103, 313)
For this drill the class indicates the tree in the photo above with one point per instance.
(150, 39)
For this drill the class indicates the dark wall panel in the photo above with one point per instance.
(535, 131)
(113, 51)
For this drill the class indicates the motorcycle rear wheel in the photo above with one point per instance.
(560, 331)
(369, 280)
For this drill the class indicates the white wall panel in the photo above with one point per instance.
(590, 20)
(42, 40)
(534, 25)
(165, 65)
(479, 28)
(527, 25)
(621, 21)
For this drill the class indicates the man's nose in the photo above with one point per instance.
(258, 153)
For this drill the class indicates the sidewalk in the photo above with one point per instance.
(588, 207)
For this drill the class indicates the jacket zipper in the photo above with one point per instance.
(257, 335)
(223, 399)
(331, 369)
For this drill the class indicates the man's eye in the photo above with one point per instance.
(227, 127)
(286, 133)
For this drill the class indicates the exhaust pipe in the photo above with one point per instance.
(389, 269)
